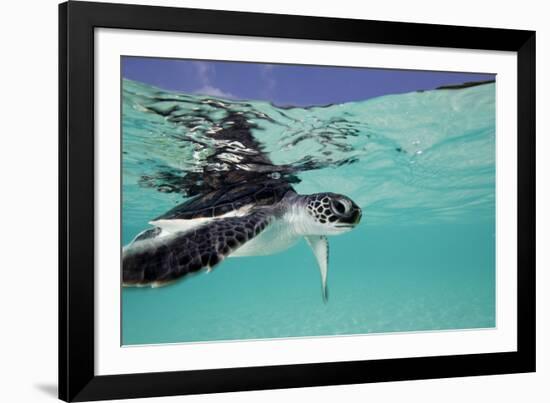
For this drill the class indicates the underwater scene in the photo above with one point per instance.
(401, 238)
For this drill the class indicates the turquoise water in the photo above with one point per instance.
(421, 166)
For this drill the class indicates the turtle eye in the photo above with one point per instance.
(340, 207)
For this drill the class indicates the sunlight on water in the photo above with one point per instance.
(421, 166)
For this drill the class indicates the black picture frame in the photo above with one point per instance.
(77, 379)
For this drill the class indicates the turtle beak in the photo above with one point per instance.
(352, 218)
(356, 215)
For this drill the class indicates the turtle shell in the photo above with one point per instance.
(226, 199)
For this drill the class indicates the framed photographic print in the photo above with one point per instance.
(254, 201)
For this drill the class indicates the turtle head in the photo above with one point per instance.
(330, 214)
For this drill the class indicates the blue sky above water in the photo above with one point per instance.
(285, 84)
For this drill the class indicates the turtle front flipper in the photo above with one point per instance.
(319, 246)
(162, 260)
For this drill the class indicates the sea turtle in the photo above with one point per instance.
(246, 212)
